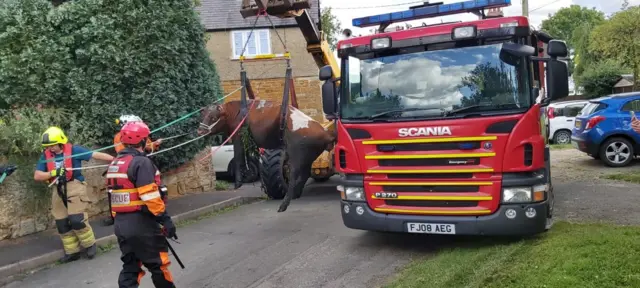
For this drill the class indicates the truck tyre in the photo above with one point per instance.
(271, 174)
(620, 152)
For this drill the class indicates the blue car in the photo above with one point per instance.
(607, 129)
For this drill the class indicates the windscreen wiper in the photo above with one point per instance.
(473, 107)
(456, 111)
(374, 116)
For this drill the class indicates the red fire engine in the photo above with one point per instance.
(441, 127)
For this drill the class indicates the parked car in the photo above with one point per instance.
(223, 162)
(561, 118)
(607, 129)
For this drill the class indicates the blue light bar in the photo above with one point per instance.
(430, 11)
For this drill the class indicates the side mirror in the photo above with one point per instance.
(329, 98)
(326, 73)
(557, 79)
(512, 53)
(557, 48)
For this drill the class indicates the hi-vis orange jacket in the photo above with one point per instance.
(137, 189)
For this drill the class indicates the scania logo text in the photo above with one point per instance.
(424, 131)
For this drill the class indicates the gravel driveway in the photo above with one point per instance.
(583, 195)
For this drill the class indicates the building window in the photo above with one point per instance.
(259, 43)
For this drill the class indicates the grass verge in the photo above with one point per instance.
(632, 177)
(222, 185)
(560, 146)
(569, 255)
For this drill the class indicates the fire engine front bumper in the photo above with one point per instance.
(495, 224)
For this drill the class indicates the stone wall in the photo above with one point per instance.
(308, 93)
(22, 213)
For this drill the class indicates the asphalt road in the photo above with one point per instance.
(254, 246)
(308, 245)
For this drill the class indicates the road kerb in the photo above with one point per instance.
(9, 271)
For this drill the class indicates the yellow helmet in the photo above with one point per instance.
(53, 136)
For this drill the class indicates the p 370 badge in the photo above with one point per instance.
(385, 195)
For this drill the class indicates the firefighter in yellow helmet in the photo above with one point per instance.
(69, 199)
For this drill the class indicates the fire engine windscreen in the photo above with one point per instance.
(437, 83)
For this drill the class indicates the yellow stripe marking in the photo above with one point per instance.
(479, 170)
(430, 140)
(429, 156)
(430, 183)
(435, 198)
(440, 212)
(125, 191)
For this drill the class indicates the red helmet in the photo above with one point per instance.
(134, 132)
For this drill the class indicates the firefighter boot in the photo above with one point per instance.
(69, 258)
(91, 251)
(107, 221)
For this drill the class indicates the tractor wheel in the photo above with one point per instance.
(271, 174)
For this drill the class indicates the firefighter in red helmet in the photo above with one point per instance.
(133, 181)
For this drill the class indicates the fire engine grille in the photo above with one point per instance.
(428, 146)
(430, 176)
(431, 189)
(419, 203)
(430, 162)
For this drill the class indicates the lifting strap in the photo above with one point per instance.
(288, 81)
(284, 108)
(62, 190)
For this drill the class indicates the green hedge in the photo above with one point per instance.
(99, 59)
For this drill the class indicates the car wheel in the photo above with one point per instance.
(562, 137)
(616, 152)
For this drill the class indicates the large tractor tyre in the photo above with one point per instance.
(271, 174)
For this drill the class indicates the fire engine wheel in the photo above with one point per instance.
(271, 174)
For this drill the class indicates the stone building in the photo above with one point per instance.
(228, 32)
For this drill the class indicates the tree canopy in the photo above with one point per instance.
(569, 24)
(619, 39)
(600, 77)
(100, 59)
(330, 27)
(562, 24)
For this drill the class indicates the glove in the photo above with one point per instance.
(168, 228)
(58, 172)
(163, 193)
(8, 169)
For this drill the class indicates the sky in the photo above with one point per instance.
(538, 9)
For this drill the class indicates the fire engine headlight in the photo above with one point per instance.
(351, 193)
(516, 195)
(536, 193)
(464, 32)
(380, 43)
